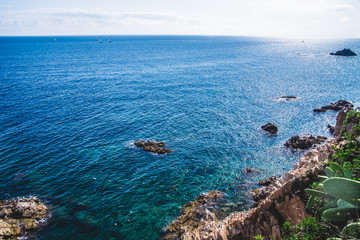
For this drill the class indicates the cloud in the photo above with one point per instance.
(278, 18)
(345, 19)
(309, 6)
(53, 21)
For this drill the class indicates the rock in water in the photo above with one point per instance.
(331, 128)
(152, 146)
(270, 127)
(304, 142)
(336, 106)
(267, 182)
(288, 97)
(18, 216)
(345, 52)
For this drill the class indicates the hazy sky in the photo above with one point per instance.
(277, 18)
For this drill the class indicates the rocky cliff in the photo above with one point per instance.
(283, 200)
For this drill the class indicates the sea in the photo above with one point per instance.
(72, 107)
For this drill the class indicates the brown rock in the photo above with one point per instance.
(194, 213)
(17, 216)
(284, 200)
(336, 106)
(331, 128)
(152, 146)
(270, 127)
(340, 118)
(268, 181)
(304, 142)
(350, 123)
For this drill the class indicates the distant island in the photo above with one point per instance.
(344, 52)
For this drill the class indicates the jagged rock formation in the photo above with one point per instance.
(340, 120)
(344, 52)
(268, 181)
(270, 127)
(304, 142)
(336, 106)
(283, 200)
(194, 213)
(17, 216)
(152, 146)
(331, 128)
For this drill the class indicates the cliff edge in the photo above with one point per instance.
(281, 201)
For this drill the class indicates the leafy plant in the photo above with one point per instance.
(348, 154)
(354, 118)
(338, 193)
(342, 193)
(308, 229)
(259, 237)
(333, 170)
(343, 198)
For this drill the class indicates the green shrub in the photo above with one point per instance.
(348, 155)
(308, 229)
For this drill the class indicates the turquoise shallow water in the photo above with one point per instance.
(71, 109)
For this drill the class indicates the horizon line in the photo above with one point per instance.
(179, 35)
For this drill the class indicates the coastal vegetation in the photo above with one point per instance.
(318, 199)
(334, 200)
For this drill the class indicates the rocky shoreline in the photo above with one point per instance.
(282, 200)
(20, 216)
(304, 142)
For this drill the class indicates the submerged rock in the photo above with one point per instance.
(152, 146)
(288, 97)
(336, 106)
(270, 127)
(304, 142)
(344, 52)
(17, 216)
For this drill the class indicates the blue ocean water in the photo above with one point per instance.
(70, 110)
